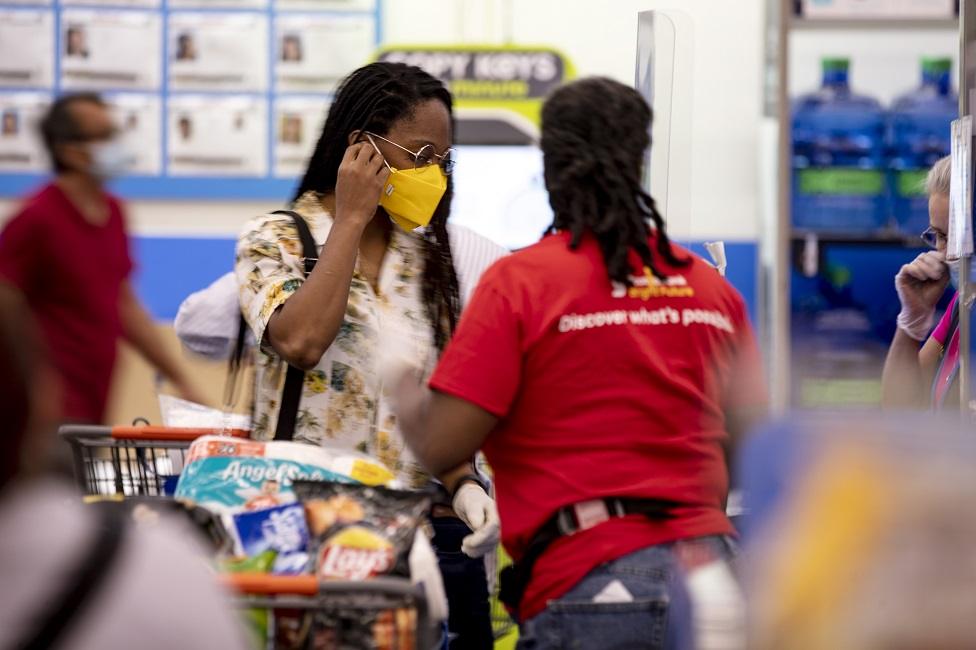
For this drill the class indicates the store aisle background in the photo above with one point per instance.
(181, 245)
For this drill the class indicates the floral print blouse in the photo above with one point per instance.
(343, 403)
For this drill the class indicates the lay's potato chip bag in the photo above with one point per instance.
(358, 531)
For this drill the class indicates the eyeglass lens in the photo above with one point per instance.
(932, 237)
(427, 155)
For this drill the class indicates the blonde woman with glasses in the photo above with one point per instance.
(922, 362)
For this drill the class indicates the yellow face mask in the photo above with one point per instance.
(411, 196)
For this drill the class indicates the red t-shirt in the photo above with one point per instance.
(71, 272)
(602, 391)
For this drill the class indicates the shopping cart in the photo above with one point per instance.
(132, 461)
(140, 464)
(382, 613)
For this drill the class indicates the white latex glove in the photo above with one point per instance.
(476, 509)
(920, 284)
(425, 571)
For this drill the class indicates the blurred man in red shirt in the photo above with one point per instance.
(67, 251)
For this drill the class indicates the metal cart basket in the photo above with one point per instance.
(328, 611)
(131, 461)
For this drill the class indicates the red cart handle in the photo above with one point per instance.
(264, 584)
(178, 434)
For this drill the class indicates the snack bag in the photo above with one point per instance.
(281, 529)
(230, 475)
(358, 531)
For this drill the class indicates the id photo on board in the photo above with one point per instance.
(317, 50)
(9, 123)
(217, 136)
(291, 50)
(186, 46)
(21, 150)
(218, 51)
(298, 122)
(109, 48)
(26, 48)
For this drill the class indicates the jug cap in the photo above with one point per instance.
(835, 63)
(936, 64)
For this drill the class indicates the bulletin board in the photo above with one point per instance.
(220, 99)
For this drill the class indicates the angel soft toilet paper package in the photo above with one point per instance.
(231, 475)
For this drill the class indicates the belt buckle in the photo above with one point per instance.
(590, 513)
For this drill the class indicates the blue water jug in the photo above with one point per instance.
(839, 167)
(918, 137)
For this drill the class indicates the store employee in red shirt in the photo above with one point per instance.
(67, 252)
(603, 371)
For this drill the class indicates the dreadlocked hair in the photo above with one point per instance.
(594, 135)
(372, 99)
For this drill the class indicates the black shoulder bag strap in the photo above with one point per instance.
(234, 363)
(294, 379)
(84, 581)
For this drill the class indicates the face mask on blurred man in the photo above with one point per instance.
(109, 159)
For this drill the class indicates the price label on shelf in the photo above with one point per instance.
(891, 9)
(960, 241)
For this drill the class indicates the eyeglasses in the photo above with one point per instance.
(425, 156)
(934, 238)
(84, 138)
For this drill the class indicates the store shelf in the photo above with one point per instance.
(809, 248)
(793, 42)
(882, 238)
(878, 24)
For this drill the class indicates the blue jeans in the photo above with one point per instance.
(466, 585)
(658, 615)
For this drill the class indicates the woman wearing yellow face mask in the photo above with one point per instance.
(410, 196)
(380, 172)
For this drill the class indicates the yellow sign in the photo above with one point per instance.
(498, 91)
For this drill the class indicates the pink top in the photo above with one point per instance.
(950, 358)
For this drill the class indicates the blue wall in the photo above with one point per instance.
(168, 269)
(742, 271)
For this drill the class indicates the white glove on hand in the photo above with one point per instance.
(919, 286)
(476, 509)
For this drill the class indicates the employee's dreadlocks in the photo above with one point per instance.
(594, 135)
(372, 99)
